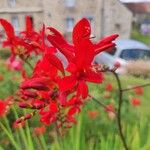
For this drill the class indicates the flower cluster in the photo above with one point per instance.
(53, 91)
(21, 45)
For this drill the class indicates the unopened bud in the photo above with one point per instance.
(23, 105)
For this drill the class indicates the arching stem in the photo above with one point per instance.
(120, 101)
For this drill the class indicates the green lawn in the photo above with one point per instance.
(135, 34)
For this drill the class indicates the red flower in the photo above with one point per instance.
(29, 32)
(50, 116)
(36, 83)
(117, 65)
(80, 57)
(58, 97)
(139, 91)
(39, 130)
(109, 87)
(18, 125)
(110, 108)
(110, 111)
(14, 64)
(93, 114)
(1, 77)
(18, 45)
(3, 108)
(135, 101)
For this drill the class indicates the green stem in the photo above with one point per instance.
(99, 103)
(20, 130)
(26, 61)
(131, 88)
(10, 136)
(43, 142)
(119, 110)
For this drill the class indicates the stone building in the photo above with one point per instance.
(106, 16)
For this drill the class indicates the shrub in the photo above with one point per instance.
(139, 68)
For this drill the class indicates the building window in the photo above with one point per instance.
(15, 22)
(12, 3)
(70, 3)
(69, 24)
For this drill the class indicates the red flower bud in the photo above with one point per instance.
(28, 116)
(23, 105)
(30, 94)
(135, 101)
(18, 120)
(117, 64)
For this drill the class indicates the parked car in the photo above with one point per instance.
(125, 51)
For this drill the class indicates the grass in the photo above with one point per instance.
(135, 34)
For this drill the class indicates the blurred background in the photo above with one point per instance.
(96, 128)
(128, 18)
(106, 17)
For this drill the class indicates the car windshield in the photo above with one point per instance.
(134, 54)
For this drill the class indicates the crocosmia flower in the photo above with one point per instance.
(135, 101)
(139, 91)
(55, 92)
(39, 130)
(80, 56)
(109, 87)
(93, 114)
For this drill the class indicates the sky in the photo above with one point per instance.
(134, 1)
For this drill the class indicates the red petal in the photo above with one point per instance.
(8, 28)
(83, 89)
(29, 26)
(72, 101)
(35, 83)
(108, 39)
(58, 41)
(101, 48)
(73, 110)
(105, 43)
(62, 98)
(71, 68)
(94, 77)
(43, 67)
(55, 62)
(67, 83)
(84, 53)
(3, 107)
(81, 30)
(53, 107)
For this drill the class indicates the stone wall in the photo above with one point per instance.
(117, 19)
(108, 16)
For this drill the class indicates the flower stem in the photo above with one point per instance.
(31, 67)
(98, 102)
(27, 62)
(119, 110)
(131, 88)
